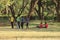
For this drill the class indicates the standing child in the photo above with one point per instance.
(22, 22)
(27, 22)
(18, 22)
(12, 21)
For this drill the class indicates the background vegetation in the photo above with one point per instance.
(34, 9)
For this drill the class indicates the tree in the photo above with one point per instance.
(32, 6)
(57, 2)
(58, 9)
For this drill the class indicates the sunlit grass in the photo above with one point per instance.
(52, 26)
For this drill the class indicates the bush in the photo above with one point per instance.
(4, 19)
(49, 18)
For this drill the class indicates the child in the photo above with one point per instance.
(18, 22)
(12, 20)
(27, 22)
(22, 22)
(41, 25)
(46, 25)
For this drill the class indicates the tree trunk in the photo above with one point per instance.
(40, 11)
(32, 6)
(12, 11)
(57, 10)
(22, 8)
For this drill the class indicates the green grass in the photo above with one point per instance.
(53, 26)
(32, 26)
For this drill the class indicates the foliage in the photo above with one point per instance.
(18, 4)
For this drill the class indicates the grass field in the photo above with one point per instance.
(52, 26)
(33, 33)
